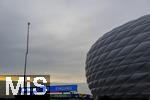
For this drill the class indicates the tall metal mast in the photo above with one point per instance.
(26, 54)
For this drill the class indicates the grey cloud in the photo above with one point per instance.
(62, 31)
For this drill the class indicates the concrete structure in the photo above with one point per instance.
(118, 64)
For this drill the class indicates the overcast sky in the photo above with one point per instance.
(62, 32)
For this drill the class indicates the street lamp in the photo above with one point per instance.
(26, 54)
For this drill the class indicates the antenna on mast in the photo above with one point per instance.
(26, 54)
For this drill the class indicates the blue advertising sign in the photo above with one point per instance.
(63, 88)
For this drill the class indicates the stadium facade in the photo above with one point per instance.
(118, 63)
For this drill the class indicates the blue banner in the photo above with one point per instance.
(63, 88)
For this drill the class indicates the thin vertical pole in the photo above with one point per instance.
(26, 54)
